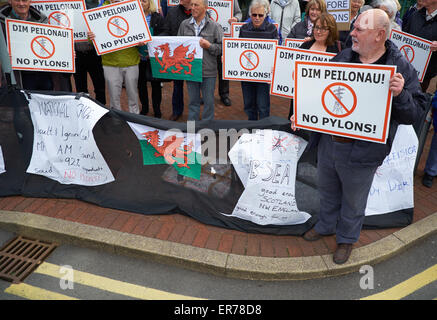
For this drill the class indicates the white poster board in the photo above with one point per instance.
(293, 43)
(41, 47)
(416, 50)
(266, 163)
(117, 26)
(248, 59)
(393, 185)
(2, 162)
(221, 11)
(283, 68)
(66, 14)
(64, 148)
(345, 99)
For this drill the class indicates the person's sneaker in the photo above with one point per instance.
(312, 235)
(342, 253)
(427, 180)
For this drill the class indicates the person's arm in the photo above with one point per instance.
(237, 13)
(215, 47)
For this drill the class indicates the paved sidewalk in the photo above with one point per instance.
(181, 240)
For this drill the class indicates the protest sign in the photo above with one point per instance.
(416, 50)
(393, 184)
(293, 43)
(178, 58)
(340, 10)
(235, 28)
(64, 148)
(343, 99)
(221, 11)
(283, 68)
(37, 46)
(117, 26)
(248, 59)
(66, 14)
(266, 163)
(2, 162)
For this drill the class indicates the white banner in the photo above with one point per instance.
(293, 43)
(117, 26)
(221, 11)
(2, 162)
(64, 148)
(248, 59)
(344, 99)
(393, 185)
(66, 14)
(283, 68)
(416, 50)
(36, 46)
(266, 163)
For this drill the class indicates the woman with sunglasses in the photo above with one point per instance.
(325, 39)
(256, 95)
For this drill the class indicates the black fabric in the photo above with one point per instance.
(157, 189)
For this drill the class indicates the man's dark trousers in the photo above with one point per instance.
(344, 190)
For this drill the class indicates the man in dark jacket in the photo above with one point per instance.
(22, 10)
(423, 23)
(346, 166)
(173, 20)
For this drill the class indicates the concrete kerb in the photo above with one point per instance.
(211, 261)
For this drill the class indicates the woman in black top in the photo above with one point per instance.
(324, 39)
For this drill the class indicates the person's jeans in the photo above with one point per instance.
(177, 99)
(207, 87)
(256, 98)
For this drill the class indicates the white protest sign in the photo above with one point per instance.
(270, 158)
(416, 50)
(2, 162)
(293, 43)
(36, 46)
(344, 99)
(64, 148)
(248, 59)
(236, 26)
(283, 68)
(393, 185)
(340, 10)
(117, 26)
(221, 11)
(66, 14)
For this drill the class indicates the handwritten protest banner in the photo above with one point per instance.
(117, 26)
(248, 59)
(343, 99)
(266, 163)
(293, 43)
(283, 68)
(340, 10)
(393, 185)
(2, 162)
(221, 11)
(64, 148)
(37, 46)
(66, 14)
(416, 50)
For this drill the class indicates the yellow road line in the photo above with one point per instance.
(111, 285)
(407, 287)
(34, 293)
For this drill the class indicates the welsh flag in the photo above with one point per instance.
(178, 58)
(178, 149)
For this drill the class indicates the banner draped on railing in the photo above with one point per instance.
(154, 188)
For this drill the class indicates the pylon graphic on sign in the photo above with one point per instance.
(338, 108)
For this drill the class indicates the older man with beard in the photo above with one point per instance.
(346, 166)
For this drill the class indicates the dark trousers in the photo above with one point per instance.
(178, 97)
(343, 190)
(223, 86)
(90, 62)
(142, 91)
(33, 80)
(256, 97)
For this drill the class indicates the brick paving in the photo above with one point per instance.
(182, 229)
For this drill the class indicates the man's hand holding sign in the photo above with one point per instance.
(367, 91)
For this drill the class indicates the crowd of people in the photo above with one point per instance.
(346, 166)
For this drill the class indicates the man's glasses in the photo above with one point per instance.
(259, 15)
